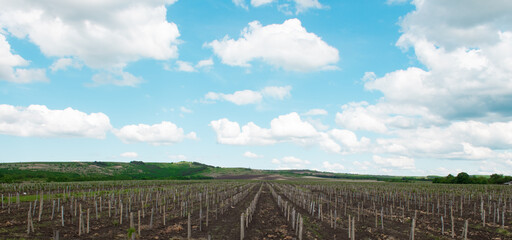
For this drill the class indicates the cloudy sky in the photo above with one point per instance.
(382, 87)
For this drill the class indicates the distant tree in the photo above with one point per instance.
(462, 178)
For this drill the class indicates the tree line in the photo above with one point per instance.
(464, 178)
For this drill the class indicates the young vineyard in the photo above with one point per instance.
(254, 210)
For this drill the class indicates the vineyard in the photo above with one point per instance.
(222, 209)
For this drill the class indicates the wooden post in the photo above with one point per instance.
(242, 226)
(349, 227)
(138, 225)
(53, 209)
(132, 226)
(151, 220)
(28, 218)
(56, 235)
(413, 225)
(40, 208)
(189, 227)
(353, 228)
(453, 225)
(442, 225)
(466, 230)
(87, 220)
(382, 218)
(120, 213)
(80, 222)
(300, 228)
(62, 214)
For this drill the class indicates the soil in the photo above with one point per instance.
(268, 222)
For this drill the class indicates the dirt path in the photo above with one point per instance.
(268, 222)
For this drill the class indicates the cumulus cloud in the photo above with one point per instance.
(185, 66)
(399, 162)
(290, 162)
(164, 133)
(252, 155)
(332, 167)
(245, 97)
(459, 140)
(287, 45)
(455, 106)
(10, 66)
(241, 3)
(205, 63)
(185, 110)
(64, 63)
(286, 128)
(39, 121)
(277, 92)
(118, 78)
(257, 3)
(466, 49)
(303, 5)
(300, 5)
(129, 155)
(102, 34)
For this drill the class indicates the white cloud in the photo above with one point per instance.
(245, 97)
(257, 3)
(240, 3)
(300, 5)
(332, 167)
(164, 133)
(185, 66)
(288, 46)
(291, 126)
(290, 162)
(315, 112)
(362, 165)
(459, 140)
(230, 133)
(102, 34)
(349, 139)
(277, 92)
(303, 5)
(64, 63)
(252, 155)
(118, 78)
(10, 66)
(205, 63)
(466, 49)
(129, 155)
(287, 128)
(39, 121)
(455, 106)
(356, 117)
(399, 162)
(185, 110)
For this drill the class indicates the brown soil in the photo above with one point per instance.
(268, 222)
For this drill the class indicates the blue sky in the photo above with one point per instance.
(382, 87)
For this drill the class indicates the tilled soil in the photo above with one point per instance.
(268, 222)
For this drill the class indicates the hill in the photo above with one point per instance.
(137, 170)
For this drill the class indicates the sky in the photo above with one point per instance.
(391, 87)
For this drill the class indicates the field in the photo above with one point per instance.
(230, 209)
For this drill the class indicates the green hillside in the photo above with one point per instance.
(136, 170)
